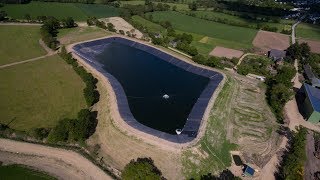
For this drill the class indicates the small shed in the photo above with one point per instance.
(248, 171)
(276, 55)
(311, 103)
(313, 79)
(157, 35)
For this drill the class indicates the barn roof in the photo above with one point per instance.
(314, 96)
(276, 54)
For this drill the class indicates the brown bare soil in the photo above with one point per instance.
(314, 45)
(226, 52)
(59, 163)
(265, 41)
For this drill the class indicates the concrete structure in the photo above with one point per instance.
(311, 103)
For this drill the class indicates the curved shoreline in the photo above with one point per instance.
(142, 131)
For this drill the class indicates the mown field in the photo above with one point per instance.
(238, 20)
(150, 25)
(207, 28)
(19, 43)
(79, 12)
(39, 93)
(21, 172)
(308, 31)
(72, 35)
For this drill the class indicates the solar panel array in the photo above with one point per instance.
(89, 50)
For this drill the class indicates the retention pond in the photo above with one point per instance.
(156, 92)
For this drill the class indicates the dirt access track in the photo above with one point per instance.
(265, 41)
(60, 163)
(226, 52)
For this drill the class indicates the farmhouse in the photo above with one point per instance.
(311, 103)
(276, 55)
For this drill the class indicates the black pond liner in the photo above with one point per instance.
(193, 122)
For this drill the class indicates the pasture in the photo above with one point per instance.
(79, 12)
(237, 19)
(308, 31)
(19, 43)
(212, 29)
(21, 172)
(148, 24)
(39, 93)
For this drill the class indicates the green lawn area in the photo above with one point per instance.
(39, 93)
(13, 172)
(308, 31)
(19, 43)
(132, 2)
(79, 12)
(72, 35)
(207, 28)
(150, 25)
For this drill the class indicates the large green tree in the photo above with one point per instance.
(141, 169)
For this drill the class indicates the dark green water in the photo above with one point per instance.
(145, 78)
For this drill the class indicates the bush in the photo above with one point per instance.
(142, 168)
(40, 133)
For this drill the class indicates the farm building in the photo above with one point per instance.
(311, 77)
(276, 55)
(311, 103)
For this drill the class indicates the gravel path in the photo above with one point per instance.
(61, 163)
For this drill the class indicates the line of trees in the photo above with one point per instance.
(49, 30)
(90, 93)
(293, 161)
(74, 130)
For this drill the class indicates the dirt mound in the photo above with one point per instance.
(226, 52)
(265, 41)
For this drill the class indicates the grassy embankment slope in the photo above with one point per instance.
(20, 172)
(39, 93)
(19, 43)
(79, 12)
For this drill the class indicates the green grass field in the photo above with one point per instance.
(150, 25)
(19, 43)
(79, 12)
(308, 31)
(72, 35)
(39, 93)
(207, 28)
(13, 172)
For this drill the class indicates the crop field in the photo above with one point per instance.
(73, 35)
(39, 93)
(240, 119)
(207, 28)
(150, 25)
(79, 12)
(11, 47)
(237, 20)
(20, 172)
(308, 31)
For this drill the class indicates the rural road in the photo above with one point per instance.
(60, 163)
(293, 32)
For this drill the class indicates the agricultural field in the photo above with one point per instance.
(73, 35)
(240, 120)
(207, 28)
(21, 172)
(11, 47)
(150, 25)
(308, 31)
(238, 20)
(39, 93)
(79, 12)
